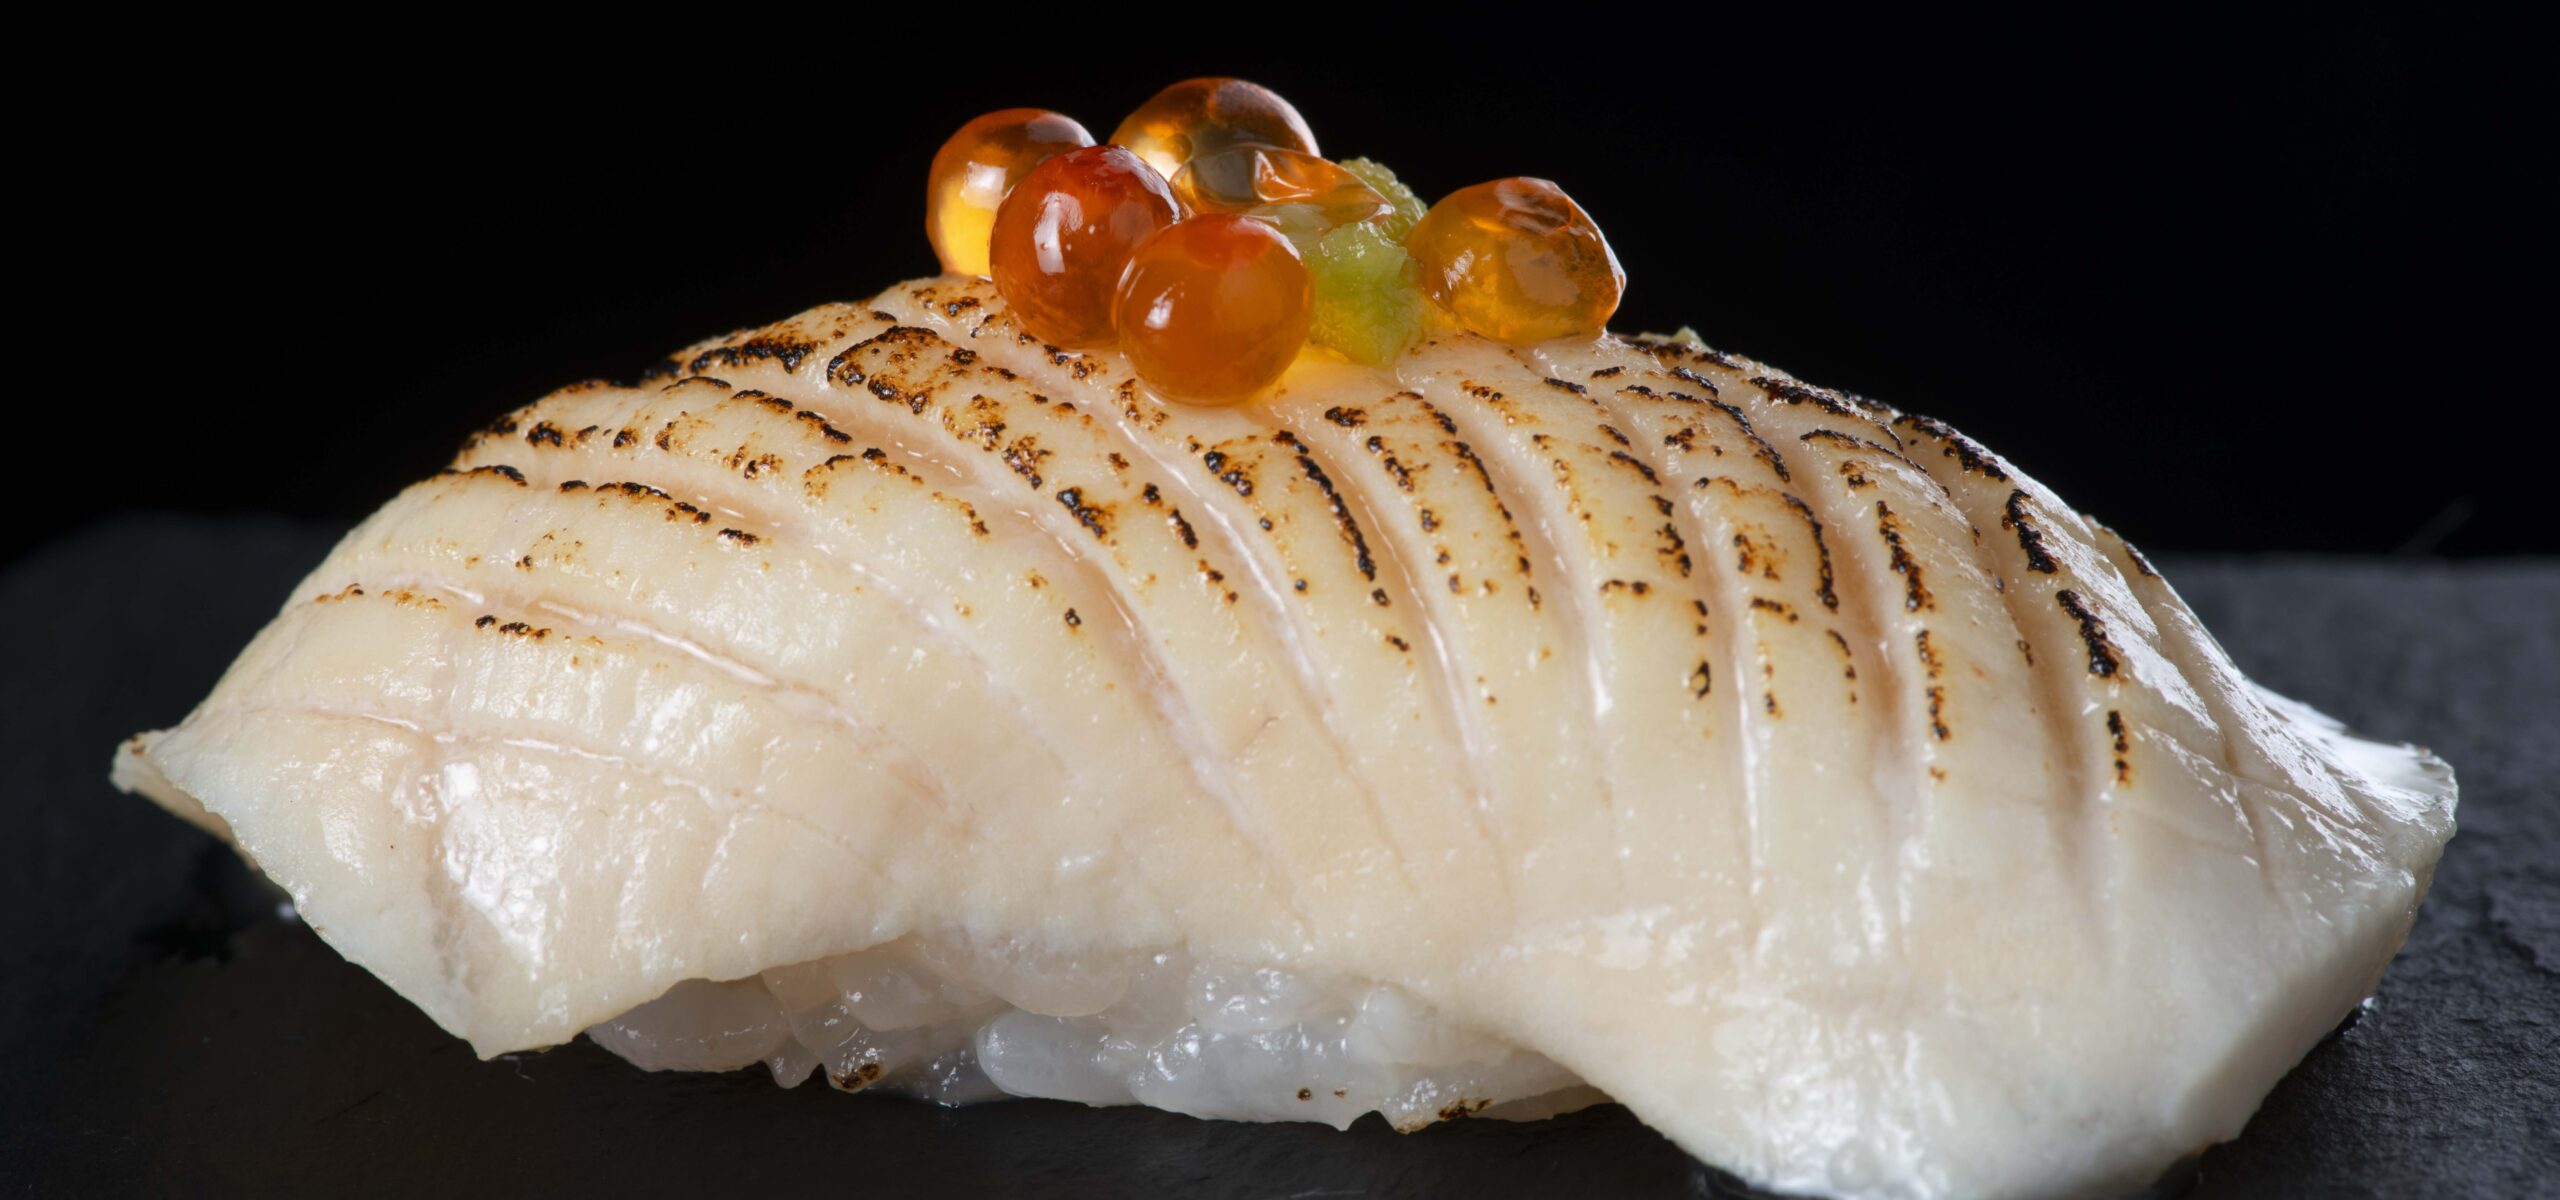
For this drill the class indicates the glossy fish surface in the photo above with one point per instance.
(1501, 724)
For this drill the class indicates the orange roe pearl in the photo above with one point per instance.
(973, 171)
(1214, 308)
(1518, 261)
(1197, 116)
(1239, 178)
(1065, 232)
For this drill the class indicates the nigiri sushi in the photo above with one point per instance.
(890, 696)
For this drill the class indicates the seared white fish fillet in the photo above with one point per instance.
(885, 692)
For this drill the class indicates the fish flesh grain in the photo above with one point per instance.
(885, 695)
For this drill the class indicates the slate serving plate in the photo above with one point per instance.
(165, 1029)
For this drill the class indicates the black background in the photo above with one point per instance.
(2234, 284)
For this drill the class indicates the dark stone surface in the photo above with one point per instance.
(164, 1030)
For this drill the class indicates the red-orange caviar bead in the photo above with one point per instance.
(1518, 261)
(1197, 116)
(1063, 235)
(973, 171)
(1213, 309)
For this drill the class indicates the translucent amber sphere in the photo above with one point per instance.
(1065, 232)
(1213, 309)
(1197, 116)
(1243, 178)
(973, 171)
(1518, 261)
